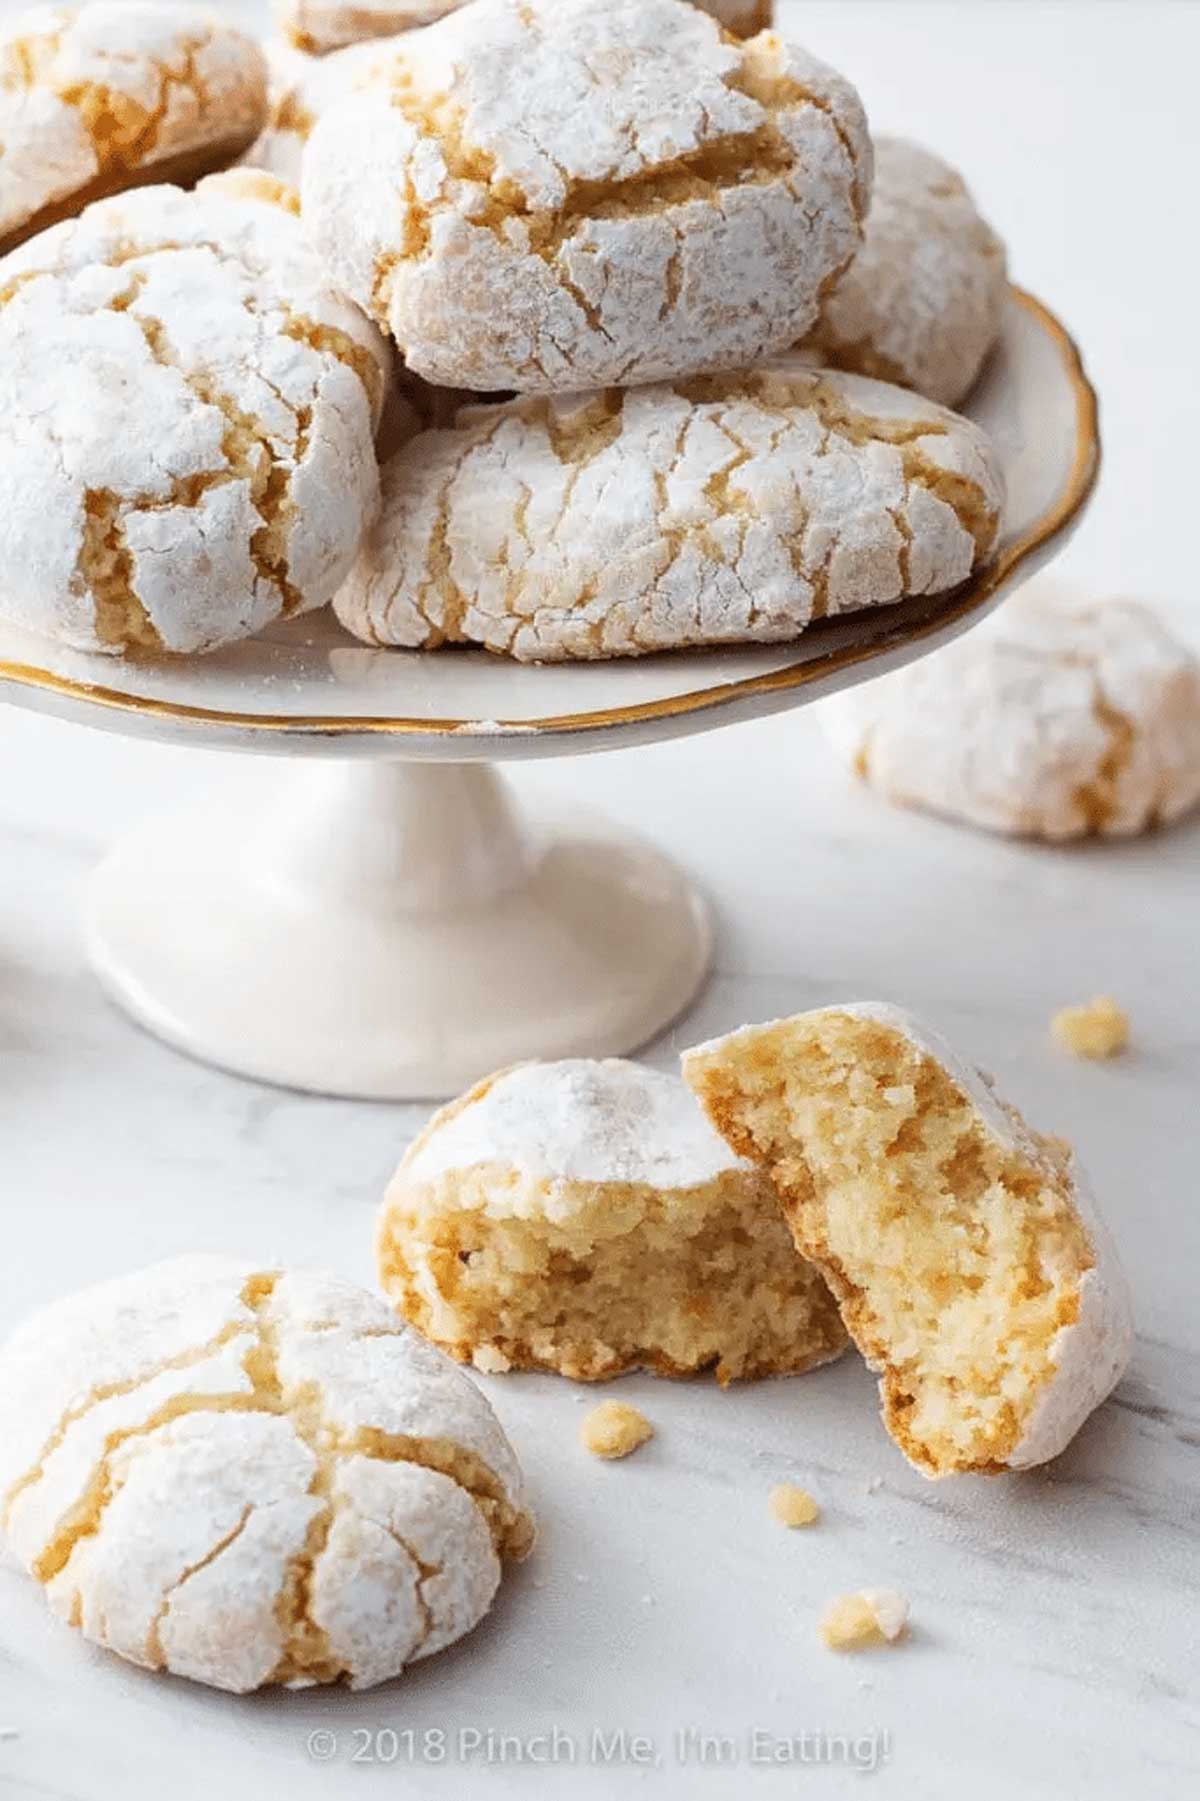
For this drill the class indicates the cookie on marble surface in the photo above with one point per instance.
(720, 510)
(965, 1251)
(301, 88)
(583, 1217)
(923, 302)
(549, 195)
(1060, 718)
(188, 446)
(252, 1477)
(318, 26)
(98, 98)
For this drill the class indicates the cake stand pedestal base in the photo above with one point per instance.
(393, 931)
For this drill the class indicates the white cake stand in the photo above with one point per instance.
(388, 926)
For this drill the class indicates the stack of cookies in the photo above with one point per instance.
(602, 283)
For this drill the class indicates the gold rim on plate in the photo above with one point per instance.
(977, 592)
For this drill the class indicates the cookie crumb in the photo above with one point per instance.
(614, 1430)
(874, 1616)
(1100, 1029)
(793, 1506)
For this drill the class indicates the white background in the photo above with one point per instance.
(1055, 1643)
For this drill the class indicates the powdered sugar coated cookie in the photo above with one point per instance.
(1059, 718)
(728, 508)
(965, 1250)
(251, 1477)
(923, 301)
(318, 26)
(556, 194)
(584, 1217)
(187, 452)
(98, 98)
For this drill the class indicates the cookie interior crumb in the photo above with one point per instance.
(956, 1257)
(509, 1252)
(1099, 1029)
(614, 1429)
(792, 1505)
(873, 1616)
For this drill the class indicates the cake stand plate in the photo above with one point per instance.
(383, 924)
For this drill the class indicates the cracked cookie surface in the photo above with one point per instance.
(719, 510)
(583, 1217)
(252, 1477)
(318, 26)
(1060, 718)
(98, 98)
(188, 447)
(546, 195)
(923, 301)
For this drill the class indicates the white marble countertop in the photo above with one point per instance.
(1055, 1640)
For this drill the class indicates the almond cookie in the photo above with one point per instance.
(98, 98)
(1060, 718)
(558, 194)
(318, 26)
(713, 511)
(964, 1249)
(585, 1218)
(189, 414)
(923, 301)
(252, 1477)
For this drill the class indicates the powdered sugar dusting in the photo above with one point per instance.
(243, 476)
(555, 194)
(728, 509)
(1057, 718)
(96, 96)
(250, 1477)
(923, 301)
(609, 1121)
